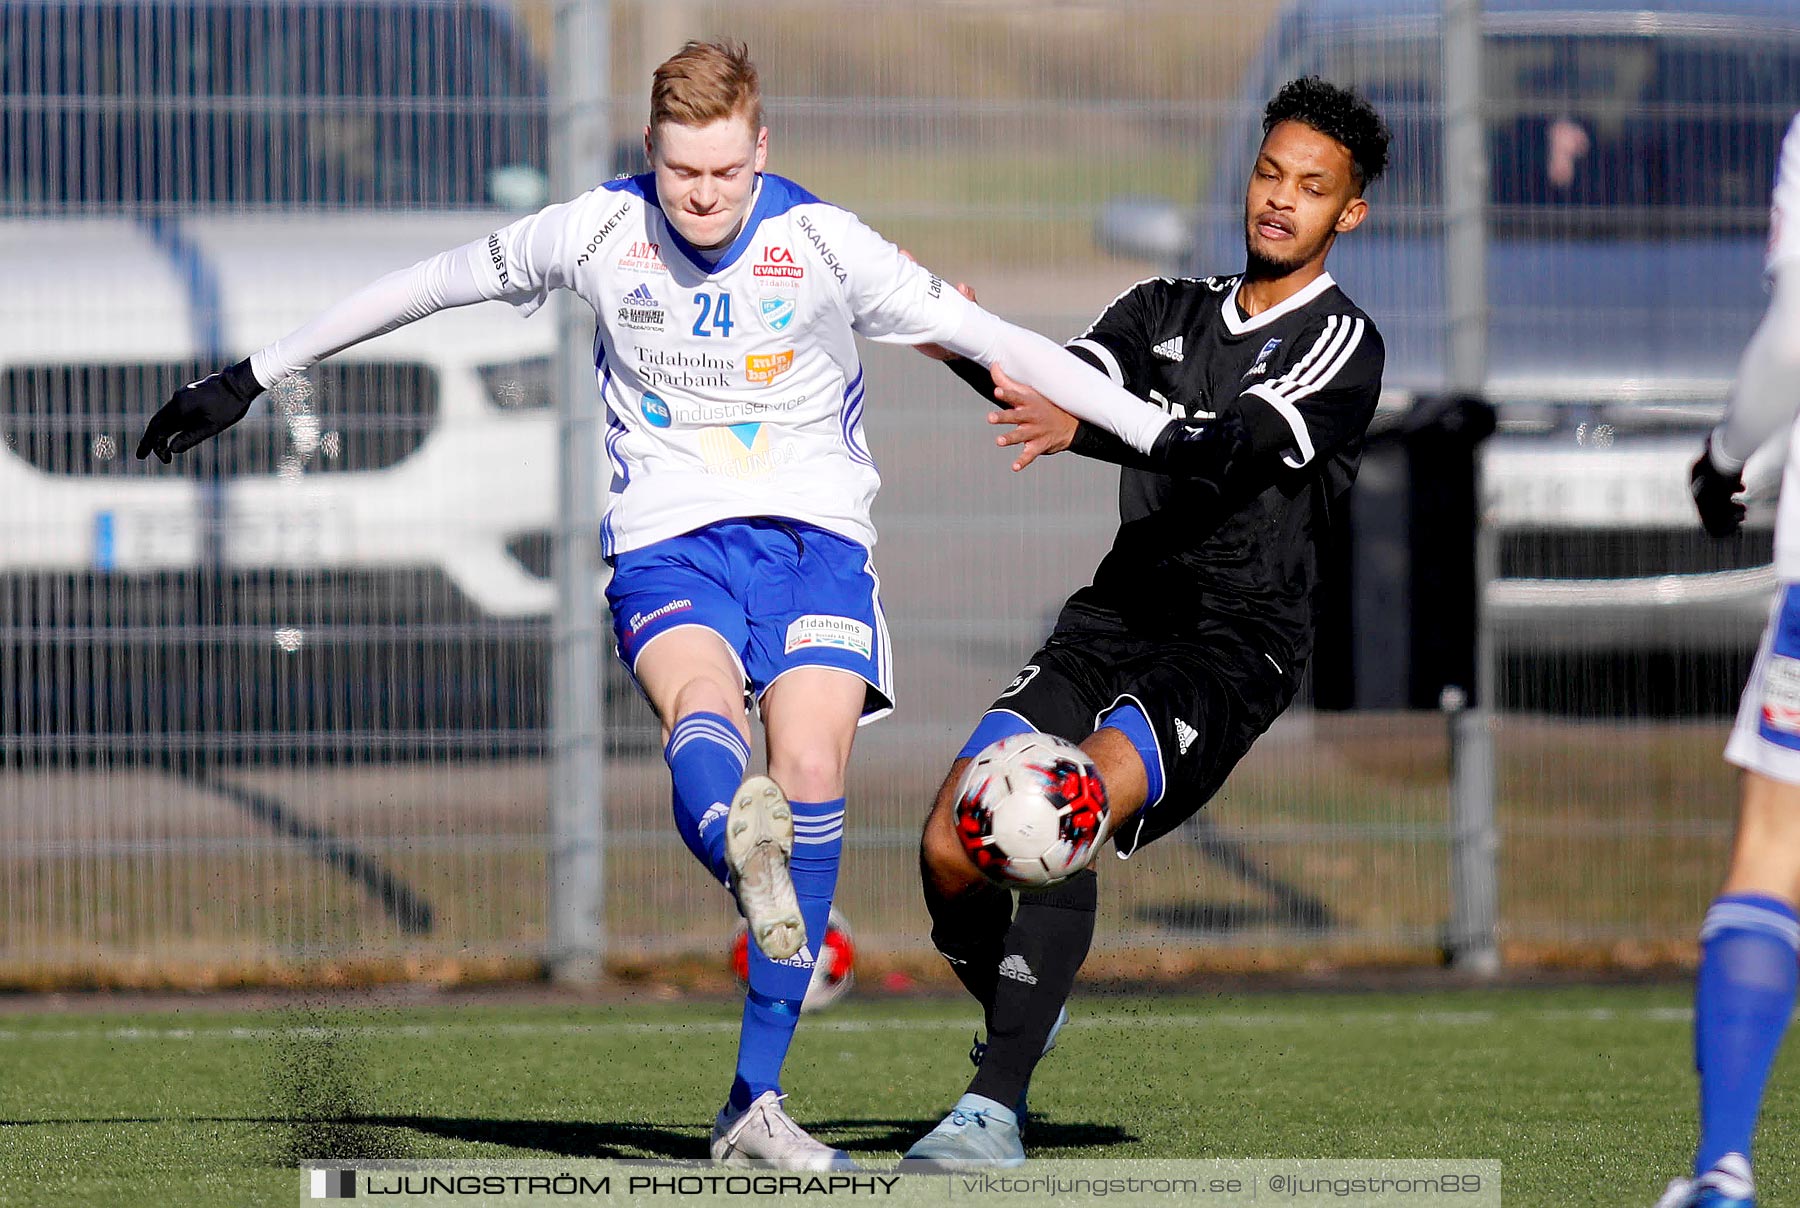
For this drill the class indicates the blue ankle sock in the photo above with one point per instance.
(777, 988)
(1749, 967)
(706, 757)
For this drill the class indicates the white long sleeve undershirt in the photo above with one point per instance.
(1767, 392)
(403, 296)
(448, 280)
(1059, 376)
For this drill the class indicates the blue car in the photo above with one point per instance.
(1631, 149)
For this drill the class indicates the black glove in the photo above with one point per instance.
(1206, 451)
(199, 411)
(1714, 490)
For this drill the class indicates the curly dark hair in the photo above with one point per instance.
(1338, 113)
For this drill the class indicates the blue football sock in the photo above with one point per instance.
(706, 757)
(763, 1039)
(777, 988)
(1749, 967)
(1130, 721)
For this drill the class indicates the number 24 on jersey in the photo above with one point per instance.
(717, 309)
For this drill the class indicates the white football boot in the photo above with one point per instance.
(759, 839)
(765, 1135)
(1727, 1185)
(977, 1133)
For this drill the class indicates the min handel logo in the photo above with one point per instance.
(333, 1184)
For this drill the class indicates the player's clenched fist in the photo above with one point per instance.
(200, 411)
(1715, 492)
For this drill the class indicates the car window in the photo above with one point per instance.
(294, 102)
(1606, 132)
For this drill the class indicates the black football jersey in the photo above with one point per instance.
(1243, 555)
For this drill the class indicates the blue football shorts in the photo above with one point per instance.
(1766, 738)
(779, 593)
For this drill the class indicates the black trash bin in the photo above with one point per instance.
(1397, 613)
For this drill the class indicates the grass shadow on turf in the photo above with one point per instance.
(567, 1138)
(582, 1139)
(321, 1138)
(898, 1135)
(372, 1137)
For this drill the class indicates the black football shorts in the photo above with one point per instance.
(1207, 699)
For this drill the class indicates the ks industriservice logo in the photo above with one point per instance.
(656, 412)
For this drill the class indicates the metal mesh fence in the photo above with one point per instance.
(285, 703)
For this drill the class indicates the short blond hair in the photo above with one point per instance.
(704, 82)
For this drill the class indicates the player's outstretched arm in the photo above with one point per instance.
(1211, 450)
(1302, 414)
(1034, 425)
(893, 299)
(1039, 428)
(1034, 420)
(1763, 402)
(1039, 425)
(201, 410)
(972, 374)
(1061, 377)
(938, 352)
(519, 263)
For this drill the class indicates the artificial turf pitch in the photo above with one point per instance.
(1584, 1094)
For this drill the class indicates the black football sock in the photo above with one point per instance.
(1045, 946)
(969, 930)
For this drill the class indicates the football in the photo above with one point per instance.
(833, 969)
(1031, 810)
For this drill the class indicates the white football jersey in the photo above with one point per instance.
(1784, 215)
(732, 387)
(1784, 249)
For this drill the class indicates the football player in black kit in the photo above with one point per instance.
(1193, 636)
